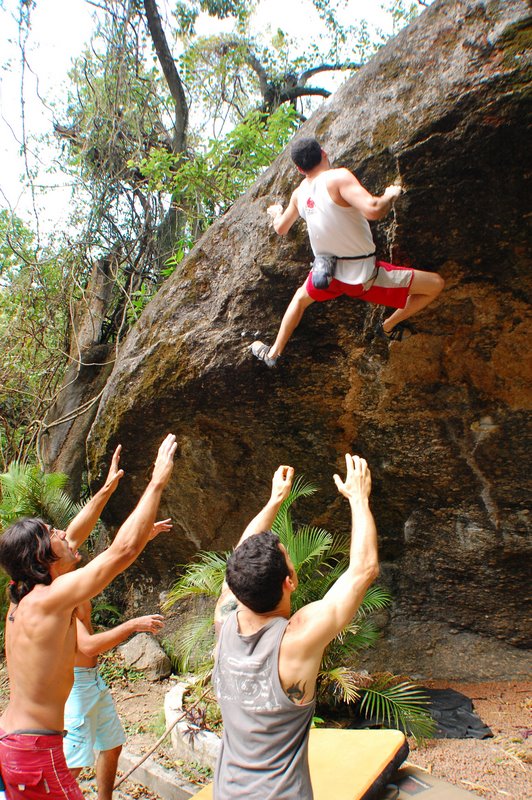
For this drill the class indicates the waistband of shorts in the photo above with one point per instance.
(84, 676)
(87, 678)
(31, 738)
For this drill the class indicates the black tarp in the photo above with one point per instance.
(453, 713)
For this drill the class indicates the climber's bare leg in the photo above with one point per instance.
(425, 287)
(291, 319)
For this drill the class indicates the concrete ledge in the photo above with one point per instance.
(203, 746)
(164, 782)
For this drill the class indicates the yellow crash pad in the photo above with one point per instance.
(347, 764)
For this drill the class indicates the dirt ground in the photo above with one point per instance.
(495, 769)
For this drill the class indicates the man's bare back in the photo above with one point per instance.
(40, 651)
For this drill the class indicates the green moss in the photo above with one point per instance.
(325, 126)
(516, 43)
(388, 132)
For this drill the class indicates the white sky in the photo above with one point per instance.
(59, 30)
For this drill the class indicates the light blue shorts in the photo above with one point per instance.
(91, 720)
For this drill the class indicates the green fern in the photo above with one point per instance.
(205, 576)
(339, 682)
(194, 647)
(27, 491)
(398, 705)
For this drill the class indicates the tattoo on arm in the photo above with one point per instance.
(296, 692)
(227, 602)
(227, 608)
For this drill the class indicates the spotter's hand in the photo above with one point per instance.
(282, 483)
(357, 484)
(161, 526)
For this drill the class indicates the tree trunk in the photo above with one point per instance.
(62, 441)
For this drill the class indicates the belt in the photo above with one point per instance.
(355, 258)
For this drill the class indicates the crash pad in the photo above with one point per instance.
(349, 765)
(412, 782)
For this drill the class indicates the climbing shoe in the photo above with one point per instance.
(260, 351)
(403, 330)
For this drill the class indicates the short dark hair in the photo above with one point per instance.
(306, 153)
(26, 555)
(256, 571)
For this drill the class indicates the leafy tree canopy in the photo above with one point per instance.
(34, 320)
(161, 131)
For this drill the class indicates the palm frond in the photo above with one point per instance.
(358, 635)
(282, 524)
(309, 546)
(205, 576)
(375, 599)
(300, 488)
(313, 584)
(365, 637)
(340, 682)
(194, 645)
(29, 492)
(398, 705)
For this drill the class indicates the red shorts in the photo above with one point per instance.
(389, 286)
(33, 767)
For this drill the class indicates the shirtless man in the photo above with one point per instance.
(91, 719)
(336, 208)
(45, 590)
(267, 660)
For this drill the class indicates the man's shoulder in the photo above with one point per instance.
(35, 607)
(301, 619)
(36, 595)
(44, 598)
(338, 175)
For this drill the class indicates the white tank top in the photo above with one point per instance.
(336, 231)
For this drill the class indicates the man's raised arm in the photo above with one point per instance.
(84, 522)
(372, 207)
(319, 622)
(75, 587)
(263, 521)
(283, 220)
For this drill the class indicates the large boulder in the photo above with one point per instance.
(439, 417)
(143, 652)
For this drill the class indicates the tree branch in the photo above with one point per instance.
(170, 73)
(308, 73)
(255, 65)
(302, 91)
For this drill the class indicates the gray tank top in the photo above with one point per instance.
(264, 753)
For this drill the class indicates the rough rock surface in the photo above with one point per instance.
(440, 417)
(145, 653)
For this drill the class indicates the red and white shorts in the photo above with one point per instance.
(388, 286)
(33, 767)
